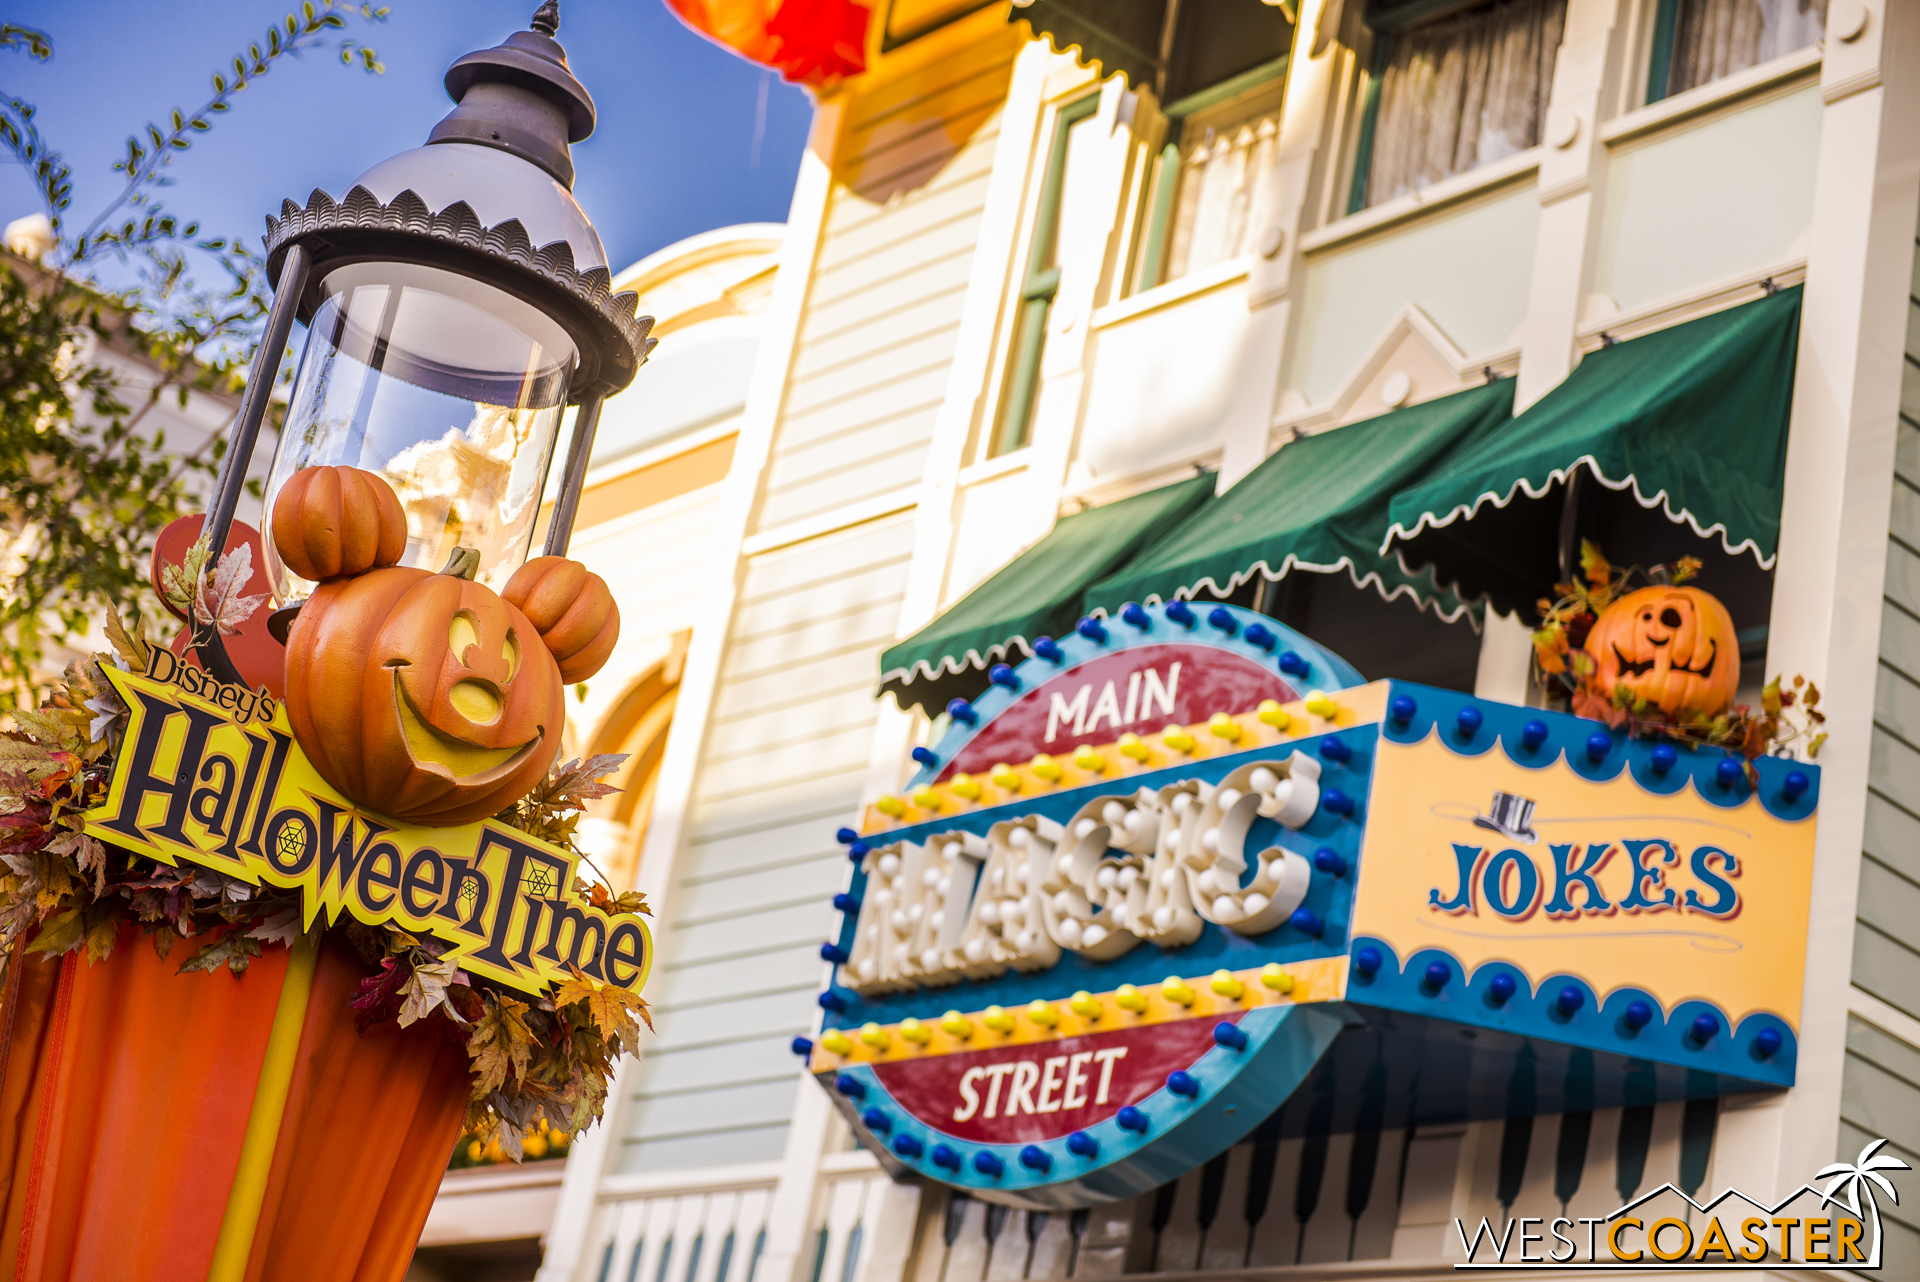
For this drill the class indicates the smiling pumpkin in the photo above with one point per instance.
(428, 697)
(448, 716)
(1672, 646)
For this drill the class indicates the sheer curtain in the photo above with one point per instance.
(1227, 180)
(1714, 38)
(1461, 92)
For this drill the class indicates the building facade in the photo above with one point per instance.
(660, 455)
(1047, 260)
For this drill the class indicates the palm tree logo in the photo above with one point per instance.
(1851, 1179)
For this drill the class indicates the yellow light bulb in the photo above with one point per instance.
(965, 788)
(1278, 980)
(1045, 767)
(1004, 776)
(1226, 984)
(1086, 1005)
(1175, 990)
(1127, 997)
(954, 1024)
(892, 807)
(914, 1031)
(1177, 739)
(1040, 1013)
(1321, 706)
(998, 1020)
(1225, 727)
(835, 1041)
(927, 799)
(1272, 714)
(1132, 748)
(876, 1036)
(1087, 757)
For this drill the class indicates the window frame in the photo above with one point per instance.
(1666, 21)
(1163, 178)
(1398, 18)
(1038, 286)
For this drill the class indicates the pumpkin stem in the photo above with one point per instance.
(463, 564)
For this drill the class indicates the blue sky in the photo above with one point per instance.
(674, 153)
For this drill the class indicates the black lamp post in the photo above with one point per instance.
(457, 300)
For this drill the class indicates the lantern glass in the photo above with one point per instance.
(447, 387)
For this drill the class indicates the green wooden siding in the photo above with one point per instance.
(1880, 1099)
(1886, 949)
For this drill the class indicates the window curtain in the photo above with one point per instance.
(1715, 38)
(1228, 176)
(1461, 92)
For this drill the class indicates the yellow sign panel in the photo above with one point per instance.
(210, 774)
(1605, 881)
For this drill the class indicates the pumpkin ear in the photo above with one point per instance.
(336, 522)
(572, 609)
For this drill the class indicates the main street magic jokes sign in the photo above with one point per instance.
(1067, 978)
(209, 774)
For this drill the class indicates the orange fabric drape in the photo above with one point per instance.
(146, 1083)
(371, 1119)
(810, 42)
(124, 1100)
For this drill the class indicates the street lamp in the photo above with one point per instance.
(457, 300)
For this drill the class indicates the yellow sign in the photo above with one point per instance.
(1605, 881)
(210, 774)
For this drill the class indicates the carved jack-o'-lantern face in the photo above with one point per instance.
(1672, 646)
(424, 696)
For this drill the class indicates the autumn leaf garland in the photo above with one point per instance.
(540, 1059)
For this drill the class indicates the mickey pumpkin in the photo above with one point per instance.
(1672, 646)
(426, 696)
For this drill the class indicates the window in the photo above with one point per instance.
(1222, 85)
(1697, 41)
(1448, 95)
(1073, 138)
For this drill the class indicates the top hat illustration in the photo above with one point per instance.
(1512, 818)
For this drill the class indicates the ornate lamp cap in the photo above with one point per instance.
(521, 97)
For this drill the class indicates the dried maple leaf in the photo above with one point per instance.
(572, 786)
(281, 928)
(180, 584)
(235, 950)
(500, 1046)
(218, 603)
(60, 934)
(133, 648)
(378, 998)
(24, 756)
(426, 989)
(611, 1009)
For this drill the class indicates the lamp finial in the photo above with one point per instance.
(546, 19)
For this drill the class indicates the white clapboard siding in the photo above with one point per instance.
(876, 342)
(651, 560)
(739, 966)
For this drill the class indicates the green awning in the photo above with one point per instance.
(1691, 421)
(1037, 594)
(1317, 504)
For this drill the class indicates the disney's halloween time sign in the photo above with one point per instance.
(211, 774)
(1068, 979)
